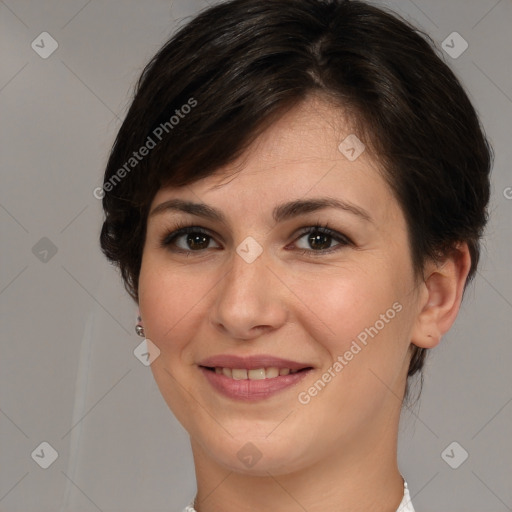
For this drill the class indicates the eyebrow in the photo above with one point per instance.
(280, 213)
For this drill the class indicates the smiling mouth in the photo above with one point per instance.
(254, 374)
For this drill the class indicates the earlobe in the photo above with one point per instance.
(440, 297)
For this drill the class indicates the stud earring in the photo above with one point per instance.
(139, 329)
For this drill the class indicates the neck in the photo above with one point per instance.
(362, 475)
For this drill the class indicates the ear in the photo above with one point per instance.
(440, 297)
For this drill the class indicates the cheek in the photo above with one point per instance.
(341, 304)
(167, 300)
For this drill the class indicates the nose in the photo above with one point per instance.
(250, 300)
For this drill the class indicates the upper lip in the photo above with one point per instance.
(251, 362)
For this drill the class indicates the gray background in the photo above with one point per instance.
(68, 373)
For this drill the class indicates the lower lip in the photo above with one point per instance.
(251, 390)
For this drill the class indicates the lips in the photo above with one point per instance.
(252, 378)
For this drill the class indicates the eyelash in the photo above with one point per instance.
(325, 229)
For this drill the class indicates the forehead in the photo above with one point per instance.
(311, 151)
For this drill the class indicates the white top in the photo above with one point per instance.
(405, 505)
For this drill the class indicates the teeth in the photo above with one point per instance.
(271, 373)
(239, 374)
(256, 374)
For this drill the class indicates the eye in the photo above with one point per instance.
(319, 239)
(316, 240)
(188, 239)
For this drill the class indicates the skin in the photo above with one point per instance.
(329, 453)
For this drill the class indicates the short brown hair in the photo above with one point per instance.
(241, 64)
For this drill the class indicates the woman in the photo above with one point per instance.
(295, 201)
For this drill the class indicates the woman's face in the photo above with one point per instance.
(259, 282)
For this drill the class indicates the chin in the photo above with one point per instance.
(258, 458)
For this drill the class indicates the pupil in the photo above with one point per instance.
(316, 241)
(197, 241)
